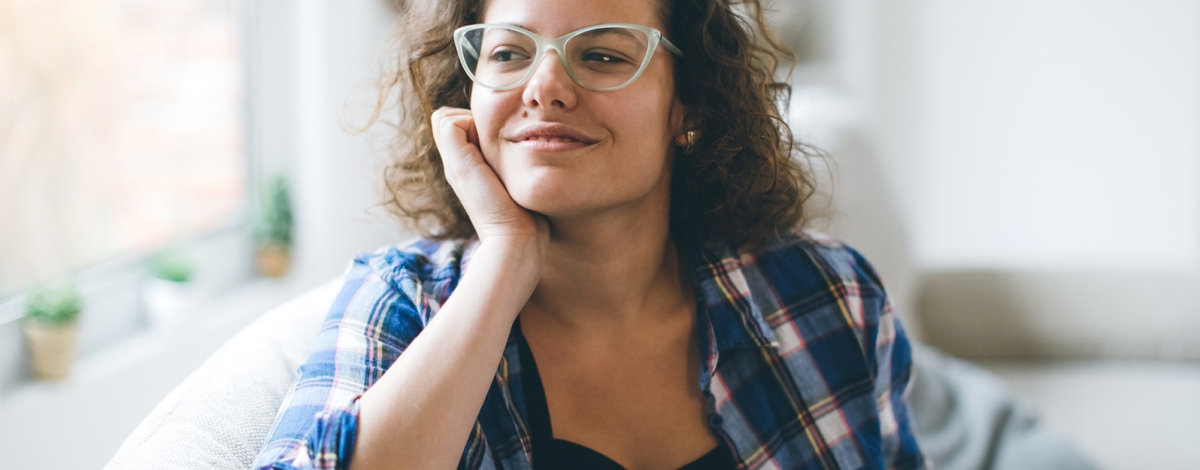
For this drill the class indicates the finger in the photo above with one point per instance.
(466, 124)
(456, 135)
(472, 132)
(453, 125)
(443, 113)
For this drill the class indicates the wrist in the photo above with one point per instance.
(515, 264)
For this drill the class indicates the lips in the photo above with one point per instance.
(553, 134)
(550, 139)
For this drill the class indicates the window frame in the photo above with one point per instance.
(113, 289)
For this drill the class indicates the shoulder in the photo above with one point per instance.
(811, 259)
(424, 271)
(808, 272)
(421, 259)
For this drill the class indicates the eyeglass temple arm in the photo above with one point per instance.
(471, 49)
(671, 47)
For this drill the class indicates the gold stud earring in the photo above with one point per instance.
(689, 138)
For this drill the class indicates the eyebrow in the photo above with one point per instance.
(617, 31)
(519, 25)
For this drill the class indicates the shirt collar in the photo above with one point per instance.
(727, 316)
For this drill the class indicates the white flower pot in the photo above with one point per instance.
(167, 301)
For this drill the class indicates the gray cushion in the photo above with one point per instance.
(967, 418)
(219, 417)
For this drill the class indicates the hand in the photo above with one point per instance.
(491, 209)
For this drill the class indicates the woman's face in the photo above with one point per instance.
(622, 155)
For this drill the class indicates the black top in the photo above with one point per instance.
(551, 453)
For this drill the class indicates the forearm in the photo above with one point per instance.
(421, 411)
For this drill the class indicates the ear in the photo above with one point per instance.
(681, 122)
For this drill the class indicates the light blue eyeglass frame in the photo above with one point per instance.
(559, 45)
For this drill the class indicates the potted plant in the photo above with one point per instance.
(169, 292)
(51, 327)
(274, 229)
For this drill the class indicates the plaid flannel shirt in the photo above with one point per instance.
(804, 363)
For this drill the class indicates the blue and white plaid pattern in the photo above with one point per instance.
(804, 363)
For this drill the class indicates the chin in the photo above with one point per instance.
(553, 196)
(557, 192)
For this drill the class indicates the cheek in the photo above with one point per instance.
(639, 158)
(488, 111)
(641, 130)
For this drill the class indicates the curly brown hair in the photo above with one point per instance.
(741, 182)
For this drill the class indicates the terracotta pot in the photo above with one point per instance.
(51, 348)
(273, 260)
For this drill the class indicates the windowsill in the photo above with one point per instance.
(112, 390)
(114, 295)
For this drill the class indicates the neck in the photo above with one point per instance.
(611, 272)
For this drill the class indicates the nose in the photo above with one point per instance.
(550, 86)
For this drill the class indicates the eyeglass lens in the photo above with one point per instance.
(600, 58)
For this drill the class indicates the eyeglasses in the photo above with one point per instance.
(603, 57)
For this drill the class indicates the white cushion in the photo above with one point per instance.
(195, 426)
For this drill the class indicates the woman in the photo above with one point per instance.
(610, 277)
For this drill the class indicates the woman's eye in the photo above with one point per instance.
(602, 57)
(505, 56)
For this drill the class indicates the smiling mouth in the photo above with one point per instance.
(550, 144)
(551, 139)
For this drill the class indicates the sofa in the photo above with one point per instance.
(219, 417)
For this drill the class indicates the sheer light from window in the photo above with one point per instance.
(120, 129)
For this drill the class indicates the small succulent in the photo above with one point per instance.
(55, 304)
(275, 216)
(173, 265)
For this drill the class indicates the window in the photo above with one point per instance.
(121, 129)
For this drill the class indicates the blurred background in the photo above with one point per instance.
(1025, 175)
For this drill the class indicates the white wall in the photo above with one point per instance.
(1058, 134)
(326, 59)
(1038, 160)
